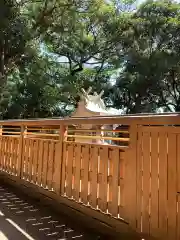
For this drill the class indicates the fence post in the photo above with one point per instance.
(20, 153)
(130, 177)
(59, 159)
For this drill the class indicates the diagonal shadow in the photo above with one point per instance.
(21, 218)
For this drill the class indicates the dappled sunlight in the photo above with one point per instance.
(19, 229)
(2, 236)
(20, 218)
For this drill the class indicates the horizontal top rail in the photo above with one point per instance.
(164, 119)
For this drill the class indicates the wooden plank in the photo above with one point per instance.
(7, 154)
(40, 162)
(59, 160)
(45, 163)
(84, 174)
(110, 176)
(64, 160)
(20, 153)
(116, 159)
(94, 170)
(178, 218)
(178, 186)
(3, 154)
(50, 165)
(163, 185)
(146, 119)
(122, 201)
(172, 191)
(10, 155)
(13, 150)
(77, 172)
(103, 184)
(154, 208)
(35, 160)
(146, 182)
(31, 155)
(178, 163)
(1, 151)
(70, 149)
(26, 157)
(130, 177)
(16, 144)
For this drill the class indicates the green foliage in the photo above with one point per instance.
(49, 50)
(151, 42)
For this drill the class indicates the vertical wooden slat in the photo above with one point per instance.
(172, 191)
(7, 154)
(31, 154)
(94, 170)
(178, 218)
(40, 162)
(16, 148)
(1, 151)
(146, 182)
(154, 185)
(178, 186)
(45, 163)
(50, 164)
(115, 158)
(84, 175)
(110, 176)
(70, 150)
(26, 157)
(20, 153)
(77, 172)
(130, 177)
(11, 155)
(122, 203)
(162, 185)
(59, 160)
(139, 179)
(103, 186)
(13, 160)
(4, 153)
(35, 160)
(1, 132)
(64, 159)
(178, 162)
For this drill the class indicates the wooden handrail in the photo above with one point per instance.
(161, 119)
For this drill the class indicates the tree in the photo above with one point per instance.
(151, 41)
(74, 32)
(34, 91)
(13, 37)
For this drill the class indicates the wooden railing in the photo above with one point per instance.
(129, 173)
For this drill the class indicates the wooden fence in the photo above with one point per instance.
(137, 182)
